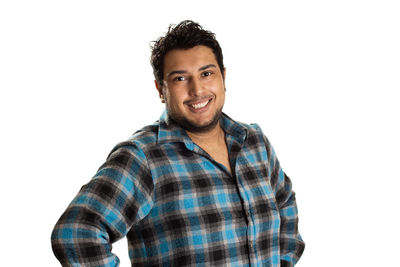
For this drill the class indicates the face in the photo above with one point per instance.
(193, 88)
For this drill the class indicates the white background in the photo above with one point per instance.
(320, 77)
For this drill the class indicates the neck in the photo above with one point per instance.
(212, 136)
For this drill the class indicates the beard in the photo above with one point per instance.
(193, 127)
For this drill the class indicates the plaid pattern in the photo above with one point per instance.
(178, 207)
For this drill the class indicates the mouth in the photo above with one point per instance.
(200, 105)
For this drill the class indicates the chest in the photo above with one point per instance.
(219, 154)
(185, 178)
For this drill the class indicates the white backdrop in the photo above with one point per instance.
(320, 77)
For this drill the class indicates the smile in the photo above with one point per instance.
(200, 105)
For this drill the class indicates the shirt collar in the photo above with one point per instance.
(170, 132)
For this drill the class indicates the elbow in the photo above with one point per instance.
(61, 244)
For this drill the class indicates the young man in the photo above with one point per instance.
(196, 188)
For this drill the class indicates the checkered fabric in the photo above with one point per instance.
(179, 207)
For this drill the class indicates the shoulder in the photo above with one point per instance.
(146, 136)
(140, 140)
(239, 128)
(256, 136)
(252, 129)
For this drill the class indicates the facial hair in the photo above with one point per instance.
(191, 127)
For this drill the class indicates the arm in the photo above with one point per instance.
(104, 210)
(290, 243)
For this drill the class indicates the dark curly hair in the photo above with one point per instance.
(185, 35)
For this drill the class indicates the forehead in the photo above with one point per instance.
(188, 59)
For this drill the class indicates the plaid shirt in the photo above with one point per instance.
(179, 207)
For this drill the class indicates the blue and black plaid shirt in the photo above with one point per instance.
(179, 207)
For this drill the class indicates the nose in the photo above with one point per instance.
(195, 87)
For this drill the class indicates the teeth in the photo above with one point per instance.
(200, 105)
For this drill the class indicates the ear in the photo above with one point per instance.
(224, 77)
(159, 88)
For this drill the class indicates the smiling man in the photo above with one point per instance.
(194, 88)
(196, 188)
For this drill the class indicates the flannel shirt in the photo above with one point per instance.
(179, 207)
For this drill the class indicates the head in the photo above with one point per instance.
(185, 35)
(190, 76)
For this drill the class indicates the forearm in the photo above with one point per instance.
(84, 233)
(290, 242)
(78, 239)
(103, 211)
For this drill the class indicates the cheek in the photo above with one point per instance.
(220, 89)
(175, 98)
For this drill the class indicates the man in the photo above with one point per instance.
(194, 188)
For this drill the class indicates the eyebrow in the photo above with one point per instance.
(207, 66)
(184, 71)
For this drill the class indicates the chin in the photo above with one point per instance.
(192, 126)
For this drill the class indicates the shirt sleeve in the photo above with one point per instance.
(290, 241)
(104, 210)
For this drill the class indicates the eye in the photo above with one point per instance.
(206, 73)
(179, 78)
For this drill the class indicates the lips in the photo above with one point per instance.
(199, 104)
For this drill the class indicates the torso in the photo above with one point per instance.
(220, 155)
(215, 147)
